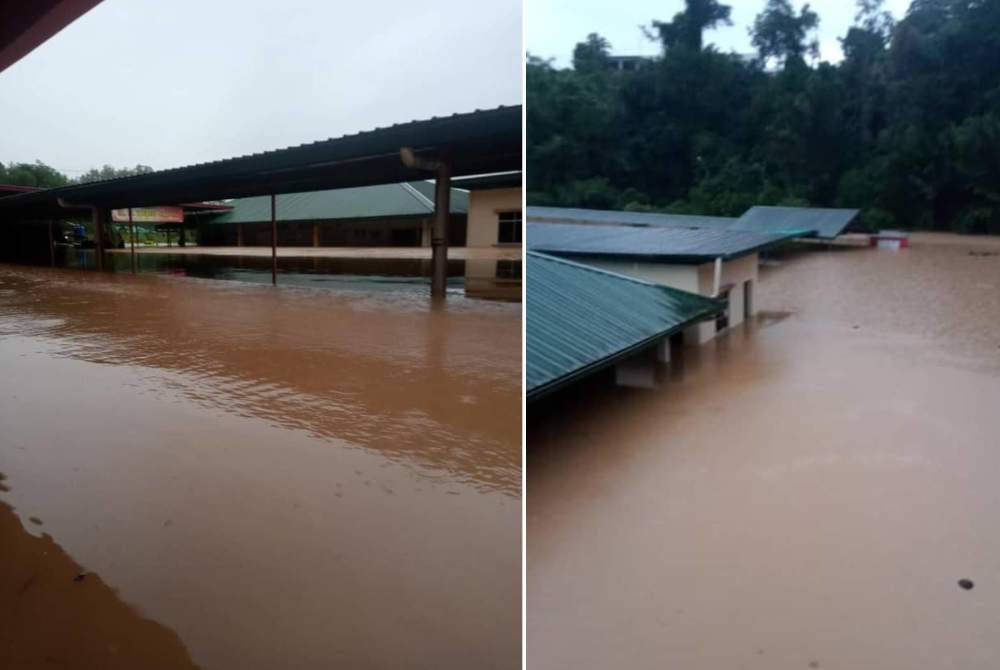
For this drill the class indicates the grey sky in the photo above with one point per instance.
(553, 27)
(185, 81)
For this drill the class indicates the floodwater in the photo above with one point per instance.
(251, 477)
(807, 492)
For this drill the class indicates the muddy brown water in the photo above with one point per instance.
(258, 477)
(806, 492)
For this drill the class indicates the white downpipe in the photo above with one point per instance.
(717, 284)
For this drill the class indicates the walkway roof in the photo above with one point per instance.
(479, 142)
(828, 223)
(384, 200)
(611, 217)
(24, 24)
(581, 319)
(671, 245)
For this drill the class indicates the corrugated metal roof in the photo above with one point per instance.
(677, 245)
(581, 318)
(387, 200)
(610, 217)
(479, 142)
(828, 223)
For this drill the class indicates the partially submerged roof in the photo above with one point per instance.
(612, 217)
(382, 201)
(828, 223)
(672, 245)
(475, 143)
(581, 319)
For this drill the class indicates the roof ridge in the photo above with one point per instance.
(417, 195)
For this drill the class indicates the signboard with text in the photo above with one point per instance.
(149, 215)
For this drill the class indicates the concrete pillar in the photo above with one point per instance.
(749, 309)
(637, 372)
(736, 305)
(239, 234)
(316, 234)
(663, 351)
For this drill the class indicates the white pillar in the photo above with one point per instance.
(717, 280)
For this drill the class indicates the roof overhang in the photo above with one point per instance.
(27, 24)
(475, 143)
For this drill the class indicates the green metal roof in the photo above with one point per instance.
(612, 217)
(386, 200)
(828, 223)
(675, 245)
(581, 319)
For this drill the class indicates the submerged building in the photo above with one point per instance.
(582, 319)
(719, 263)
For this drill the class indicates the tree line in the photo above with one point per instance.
(40, 175)
(905, 127)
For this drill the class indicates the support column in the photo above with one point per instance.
(439, 233)
(95, 214)
(239, 234)
(316, 234)
(274, 244)
(131, 237)
(717, 278)
(52, 247)
(182, 237)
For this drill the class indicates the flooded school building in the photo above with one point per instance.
(759, 442)
(316, 465)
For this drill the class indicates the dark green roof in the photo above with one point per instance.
(675, 245)
(386, 200)
(614, 217)
(581, 319)
(828, 223)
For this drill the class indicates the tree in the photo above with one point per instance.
(37, 174)
(592, 55)
(688, 27)
(780, 34)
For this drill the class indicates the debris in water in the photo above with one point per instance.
(966, 584)
(35, 520)
(80, 577)
(813, 664)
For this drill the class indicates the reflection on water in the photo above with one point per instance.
(55, 614)
(806, 492)
(288, 478)
(488, 279)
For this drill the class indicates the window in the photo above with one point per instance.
(509, 231)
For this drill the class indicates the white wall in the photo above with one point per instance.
(483, 208)
(694, 279)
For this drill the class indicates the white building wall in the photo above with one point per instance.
(695, 279)
(483, 219)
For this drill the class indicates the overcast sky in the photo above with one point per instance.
(185, 81)
(555, 26)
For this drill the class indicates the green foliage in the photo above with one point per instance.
(37, 174)
(905, 127)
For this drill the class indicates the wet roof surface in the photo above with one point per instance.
(679, 245)
(828, 223)
(580, 319)
(384, 200)
(574, 215)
